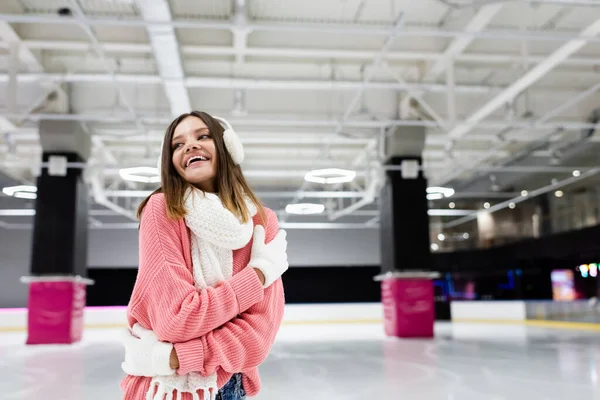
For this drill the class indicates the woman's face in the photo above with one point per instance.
(194, 154)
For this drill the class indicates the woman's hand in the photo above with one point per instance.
(269, 259)
(145, 355)
(261, 276)
(174, 360)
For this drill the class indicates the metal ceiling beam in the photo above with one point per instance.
(26, 57)
(8, 36)
(476, 164)
(528, 79)
(28, 134)
(241, 32)
(477, 24)
(308, 27)
(370, 69)
(218, 82)
(245, 83)
(112, 75)
(115, 118)
(166, 53)
(304, 54)
(545, 189)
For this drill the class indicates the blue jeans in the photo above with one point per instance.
(233, 390)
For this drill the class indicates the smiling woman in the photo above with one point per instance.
(208, 299)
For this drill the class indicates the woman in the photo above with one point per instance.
(208, 299)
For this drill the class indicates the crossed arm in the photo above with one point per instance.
(231, 326)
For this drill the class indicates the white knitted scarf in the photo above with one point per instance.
(215, 233)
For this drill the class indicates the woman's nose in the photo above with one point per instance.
(192, 146)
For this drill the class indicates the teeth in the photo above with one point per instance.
(201, 158)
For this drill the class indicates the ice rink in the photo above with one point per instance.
(344, 361)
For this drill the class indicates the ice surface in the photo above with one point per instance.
(344, 361)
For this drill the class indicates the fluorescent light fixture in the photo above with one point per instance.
(438, 190)
(442, 212)
(435, 196)
(21, 191)
(17, 212)
(25, 195)
(304, 208)
(330, 175)
(140, 174)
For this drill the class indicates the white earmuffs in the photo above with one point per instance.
(232, 143)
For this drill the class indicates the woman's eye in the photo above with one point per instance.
(204, 137)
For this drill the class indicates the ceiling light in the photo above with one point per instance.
(304, 208)
(524, 193)
(576, 173)
(512, 206)
(330, 175)
(559, 193)
(466, 235)
(441, 237)
(21, 191)
(486, 205)
(435, 196)
(435, 247)
(451, 205)
(140, 174)
(444, 191)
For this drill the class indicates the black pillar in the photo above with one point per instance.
(59, 245)
(60, 225)
(404, 224)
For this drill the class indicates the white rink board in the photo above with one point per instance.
(488, 310)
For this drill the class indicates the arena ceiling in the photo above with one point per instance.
(507, 91)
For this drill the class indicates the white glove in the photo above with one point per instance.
(145, 355)
(271, 259)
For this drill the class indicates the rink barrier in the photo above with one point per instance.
(15, 320)
(582, 314)
(560, 315)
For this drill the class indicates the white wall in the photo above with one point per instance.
(119, 248)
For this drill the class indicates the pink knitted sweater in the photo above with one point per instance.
(228, 329)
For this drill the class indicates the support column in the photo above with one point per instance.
(59, 247)
(406, 281)
(404, 222)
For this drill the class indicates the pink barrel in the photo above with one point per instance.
(408, 304)
(55, 309)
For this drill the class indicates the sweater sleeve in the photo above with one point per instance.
(164, 297)
(242, 343)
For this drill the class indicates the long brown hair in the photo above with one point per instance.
(230, 181)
